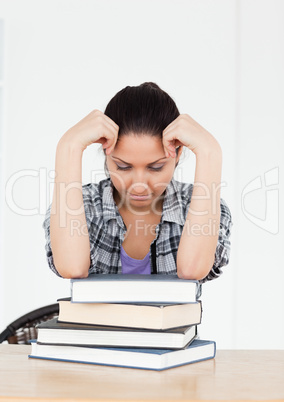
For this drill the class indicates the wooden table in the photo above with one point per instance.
(233, 375)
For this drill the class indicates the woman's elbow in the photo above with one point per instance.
(73, 274)
(73, 271)
(197, 270)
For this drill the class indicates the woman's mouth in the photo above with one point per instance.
(140, 197)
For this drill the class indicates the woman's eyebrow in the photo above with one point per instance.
(152, 163)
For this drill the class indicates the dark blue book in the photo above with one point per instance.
(60, 333)
(150, 359)
(118, 288)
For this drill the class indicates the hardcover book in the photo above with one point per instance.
(118, 288)
(54, 332)
(148, 316)
(151, 359)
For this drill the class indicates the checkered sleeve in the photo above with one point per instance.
(222, 253)
(89, 206)
(49, 256)
(93, 212)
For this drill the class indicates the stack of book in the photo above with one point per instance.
(139, 321)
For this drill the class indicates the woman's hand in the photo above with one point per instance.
(96, 127)
(184, 131)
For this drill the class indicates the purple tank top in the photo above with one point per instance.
(132, 266)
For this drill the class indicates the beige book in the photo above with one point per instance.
(148, 316)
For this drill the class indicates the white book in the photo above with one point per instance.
(119, 288)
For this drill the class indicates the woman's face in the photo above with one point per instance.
(140, 173)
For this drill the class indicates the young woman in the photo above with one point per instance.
(140, 219)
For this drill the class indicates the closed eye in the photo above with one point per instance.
(151, 168)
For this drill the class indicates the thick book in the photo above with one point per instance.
(151, 359)
(57, 333)
(119, 288)
(148, 316)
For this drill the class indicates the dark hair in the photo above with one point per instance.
(142, 109)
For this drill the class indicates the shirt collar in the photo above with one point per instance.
(172, 206)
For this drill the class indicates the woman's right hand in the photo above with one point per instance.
(96, 127)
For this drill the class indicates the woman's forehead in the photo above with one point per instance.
(131, 148)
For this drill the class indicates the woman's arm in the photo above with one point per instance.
(196, 252)
(199, 238)
(70, 247)
(68, 228)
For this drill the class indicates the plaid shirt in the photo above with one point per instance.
(107, 229)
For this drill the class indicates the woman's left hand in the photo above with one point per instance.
(184, 131)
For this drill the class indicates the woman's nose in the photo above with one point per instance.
(139, 183)
(139, 188)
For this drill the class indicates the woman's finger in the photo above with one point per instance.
(169, 143)
(110, 121)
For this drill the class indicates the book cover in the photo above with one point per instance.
(54, 332)
(115, 288)
(151, 359)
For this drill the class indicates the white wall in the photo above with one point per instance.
(221, 61)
